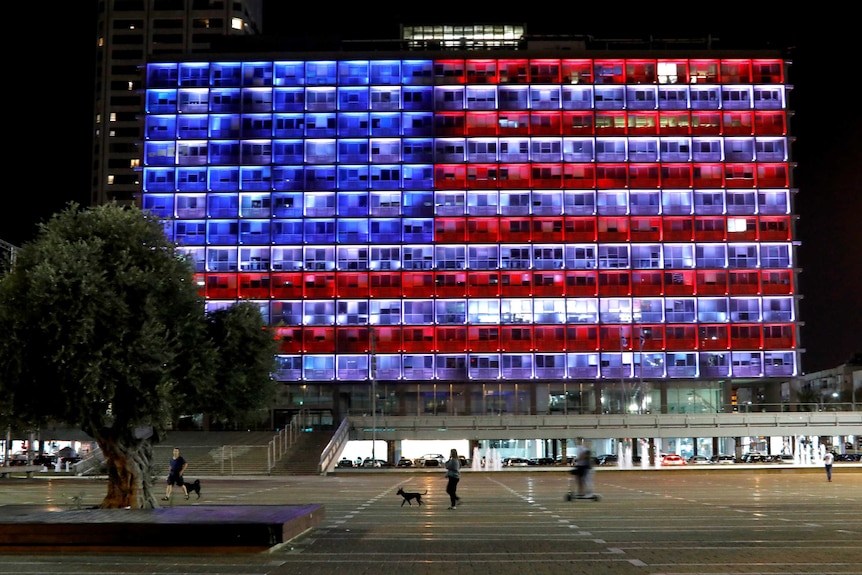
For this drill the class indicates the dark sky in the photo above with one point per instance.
(826, 126)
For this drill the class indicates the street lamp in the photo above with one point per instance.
(643, 336)
(373, 400)
(623, 343)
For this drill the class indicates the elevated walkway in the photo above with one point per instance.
(393, 428)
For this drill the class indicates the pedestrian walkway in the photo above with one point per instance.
(648, 522)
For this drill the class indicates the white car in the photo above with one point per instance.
(431, 460)
(698, 460)
(723, 459)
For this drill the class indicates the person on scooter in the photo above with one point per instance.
(583, 470)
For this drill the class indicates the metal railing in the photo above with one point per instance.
(92, 461)
(334, 448)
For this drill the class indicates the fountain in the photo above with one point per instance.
(806, 449)
(494, 462)
(797, 452)
(476, 464)
(819, 451)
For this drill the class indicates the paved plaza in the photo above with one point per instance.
(768, 520)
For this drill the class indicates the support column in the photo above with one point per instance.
(772, 396)
(662, 394)
(531, 389)
(598, 390)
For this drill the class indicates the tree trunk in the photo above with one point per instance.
(130, 472)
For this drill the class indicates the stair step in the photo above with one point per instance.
(303, 457)
(221, 453)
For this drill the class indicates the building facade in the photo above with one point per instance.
(532, 229)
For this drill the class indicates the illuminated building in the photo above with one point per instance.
(490, 230)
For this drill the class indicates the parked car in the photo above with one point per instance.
(516, 462)
(607, 459)
(46, 460)
(698, 460)
(542, 461)
(851, 457)
(18, 458)
(344, 463)
(722, 459)
(369, 462)
(404, 462)
(69, 456)
(427, 459)
(782, 458)
(671, 460)
(754, 457)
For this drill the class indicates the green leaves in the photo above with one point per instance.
(104, 329)
(244, 362)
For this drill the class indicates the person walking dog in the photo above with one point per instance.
(175, 474)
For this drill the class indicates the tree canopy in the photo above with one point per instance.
(105, 330)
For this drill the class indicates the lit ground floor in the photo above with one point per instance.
(629, 452)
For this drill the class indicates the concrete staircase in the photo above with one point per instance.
(303, 457)
(227, 453)
(216, 453)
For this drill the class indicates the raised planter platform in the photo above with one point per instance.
(199, 526)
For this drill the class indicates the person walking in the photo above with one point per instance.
(453, 474)
(175, 474)
(828, 458)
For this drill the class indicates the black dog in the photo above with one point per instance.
(193, 487)
(409, 497)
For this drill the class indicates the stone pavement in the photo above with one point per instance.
(766, 520)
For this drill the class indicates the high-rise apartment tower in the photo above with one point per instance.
(128, 33)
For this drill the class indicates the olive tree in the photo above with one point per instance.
(243, 365)
(104, 329)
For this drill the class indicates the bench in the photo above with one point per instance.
(7, 471)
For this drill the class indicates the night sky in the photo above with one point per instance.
(824, 99)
